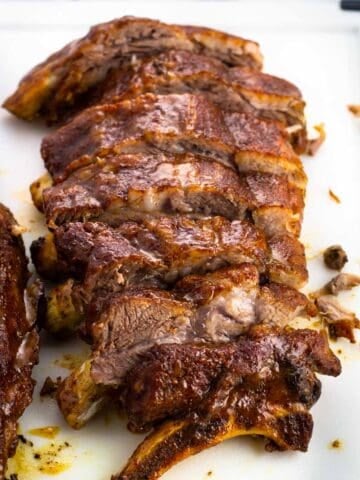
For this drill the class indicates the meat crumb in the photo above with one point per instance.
(209, 473)
(355, 109)
(335, 257)
(334, 197)
(335, 444)
(50, 387)
(314, 144)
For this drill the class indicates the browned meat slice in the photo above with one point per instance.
(263, 384)
(175, 124)
(134, 186)
(262, 146)
(57, 83)
(233, 89)
(159, 370)
(18, 338)
(218, 307)
(288, 262)
(106, 259)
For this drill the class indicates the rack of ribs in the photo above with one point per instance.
(55, 84)
(174, 198)
(19, 338)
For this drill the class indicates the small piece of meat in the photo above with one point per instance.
(18, 336)
(50, 387)
(54, 85)
(340, 321)
(261, 145)
(288, 262)
(313, 144)
(335, 257)
(264, 384)
(354, 109)
(340, 283)
(136, 186)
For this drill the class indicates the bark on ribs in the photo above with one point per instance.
(196, 395)
(57, 83)
(233, 89)
(175, 124)
(218, 307)
(136, 186)
(18, 338)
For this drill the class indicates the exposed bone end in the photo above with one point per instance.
(173, 441)
(62, 316)
(78, 397)
(37, 188)
(341, 322)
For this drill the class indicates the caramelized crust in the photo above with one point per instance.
(57, 83)
(19, 340)
(175, 124)
(263, 384)
(137, 186)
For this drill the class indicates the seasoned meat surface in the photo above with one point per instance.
(199, 395)
(56, 84)
(173, 123)
(134, 186)
(215, 307)
(19, 339)
(233, 89)
(154, 391)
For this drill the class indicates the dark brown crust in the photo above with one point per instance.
(180, 122)
(172, 123)
(18, 339)
(225, 395)
(134, 186)
(233, 89)
(54, 85)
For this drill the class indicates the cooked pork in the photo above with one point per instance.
(263, 384)
(233, 89)
(53, 86)
(217, 307)
(19, 338)
(175, 124)
(134, 186)
(105, 259)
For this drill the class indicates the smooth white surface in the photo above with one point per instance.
(317, 47)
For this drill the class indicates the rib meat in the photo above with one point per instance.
(53, 86)
(137, 186)
(234, 89)
(196, 395)
(175, 124)
(18, 337)
(216, 307)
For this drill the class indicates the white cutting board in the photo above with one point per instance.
(317, 47)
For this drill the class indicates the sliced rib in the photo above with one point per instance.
(56, 84)
(176, 124)
(233, 89)
(136, 186)
(218, 306)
